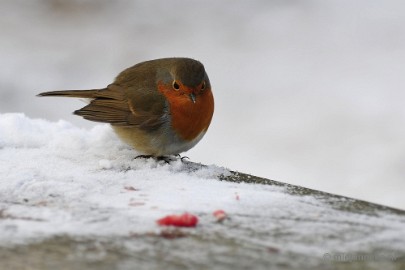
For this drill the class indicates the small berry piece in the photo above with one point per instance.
(220, 215)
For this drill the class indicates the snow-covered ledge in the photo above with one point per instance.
(73, 198)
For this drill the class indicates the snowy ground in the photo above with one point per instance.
(307, 92)
(61, 180)
(57, 178)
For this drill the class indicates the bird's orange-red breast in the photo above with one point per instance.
(159, 107)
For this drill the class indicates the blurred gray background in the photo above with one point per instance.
(307, 92)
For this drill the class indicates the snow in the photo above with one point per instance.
(69, 178)
(306, 92)
(59, 179)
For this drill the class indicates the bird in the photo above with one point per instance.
(161, 107)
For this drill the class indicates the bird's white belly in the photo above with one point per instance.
(180, 146)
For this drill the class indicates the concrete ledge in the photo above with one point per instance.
(236, 245)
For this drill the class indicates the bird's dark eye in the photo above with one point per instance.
(176, 86)
(203, 86)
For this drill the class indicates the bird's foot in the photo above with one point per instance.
(181, 158)
(166, 159)
(144, 156)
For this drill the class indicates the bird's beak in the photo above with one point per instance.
(192, 97)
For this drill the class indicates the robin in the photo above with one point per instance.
(160, 107)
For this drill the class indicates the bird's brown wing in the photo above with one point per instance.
(143, 108)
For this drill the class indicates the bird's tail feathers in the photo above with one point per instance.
(72, 93)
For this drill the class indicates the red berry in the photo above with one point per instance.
(184, 220)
